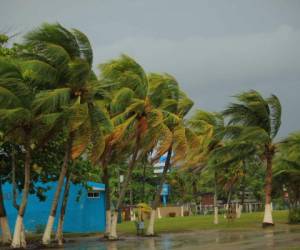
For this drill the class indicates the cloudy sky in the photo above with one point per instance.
(215, 48)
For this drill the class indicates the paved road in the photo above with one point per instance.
(208, 240)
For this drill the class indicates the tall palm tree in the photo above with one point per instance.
(22, 122)
(210, 127)
(253, 111)
(133, 114)
(287, 168)
(75, 92)
(175, 105)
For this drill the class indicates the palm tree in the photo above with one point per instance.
(264, 115)
(133, 114)
(210, 127)
(76, 91)
(240, 151)
(22, 122)
(165, 92)
(287, 168)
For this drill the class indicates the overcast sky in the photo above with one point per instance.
(214, 48)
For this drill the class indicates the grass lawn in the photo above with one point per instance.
(248, 221)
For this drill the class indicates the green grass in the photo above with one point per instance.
(193, 223)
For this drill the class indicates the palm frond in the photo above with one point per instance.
(84, 46)
(185, 104)
(82, 137)
(40, 74)
(275, 115)
(8, 99)
(48, 101)
(11, 118)
(126, 72)
(180, 145)
(76, 115)
(55, 34)
(165, 141)
(250, 110)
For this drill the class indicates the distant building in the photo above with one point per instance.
(159, 166)
(85, 209)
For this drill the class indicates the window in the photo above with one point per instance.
(93, 194)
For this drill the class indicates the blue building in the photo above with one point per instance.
(85, 209)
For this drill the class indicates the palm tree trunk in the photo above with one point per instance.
(240, 208)
(19, 240)
(268, 219)
(228, 201)
(48, 230)
(144, 182)
(216, 213)
(150, 228)
(59, 231)
(6, 234)
(105, 179)
(113, 230)
(14, 184)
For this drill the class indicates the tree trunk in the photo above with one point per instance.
(144, 182)
(268, 219)
(59, 231)
(48, 230)
(13, 179)
(6, 234)
(216, 212)
(105, 180)
(227, 204)
(155, 204)
(113, 230)
(241, 206)
(19, 240)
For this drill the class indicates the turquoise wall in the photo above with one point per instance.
(83, 214)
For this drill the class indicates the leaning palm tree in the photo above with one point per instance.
(253, 111)
(287, 169)
(210, 127)
(133, 114)
(240, 150)
(175, 105)
(22, 122)
(75, 92)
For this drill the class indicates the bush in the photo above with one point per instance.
(294, 216)
(172, 214)
(186, 213)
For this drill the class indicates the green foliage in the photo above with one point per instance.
(252, 110)
(294, 216)
(287, 168)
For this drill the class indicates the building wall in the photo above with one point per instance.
(164, 211)
(83, 214)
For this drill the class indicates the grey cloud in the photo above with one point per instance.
(211, 69)
(214, 48)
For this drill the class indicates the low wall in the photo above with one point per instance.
(164, 211)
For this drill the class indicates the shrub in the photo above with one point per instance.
(294, 215)
(186, 213)
(172, 214)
